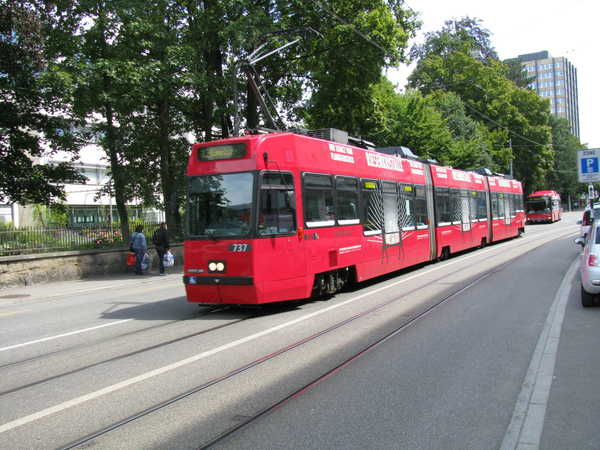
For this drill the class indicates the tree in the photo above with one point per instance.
(516, 118)
(359, 39)
(465, 36)
(563, 177)
(148, 75)
(35, 119)
(517, 74)
(85, 42)
(131, 84)
(473, 147)
(413, 121)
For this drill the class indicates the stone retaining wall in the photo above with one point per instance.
(27, 270)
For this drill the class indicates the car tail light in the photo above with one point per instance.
(593, 260)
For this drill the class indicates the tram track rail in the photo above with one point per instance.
(215, 441)
(109, 339)
(121, 357)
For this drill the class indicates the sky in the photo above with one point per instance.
(569, 28)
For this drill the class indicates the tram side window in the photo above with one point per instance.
(318, 197)
(443, 206)
(277, 214)
(512, 200)
(372, 207)
(519, 203)
(347, 200)
(421, 207)
(460, 206)
(407, 206)
(501, 206)
(495, 213)
(473, 206)
(482, 206)
(391, 212)
(457, 206)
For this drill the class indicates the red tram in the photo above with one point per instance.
(543, 206)
(283, 216)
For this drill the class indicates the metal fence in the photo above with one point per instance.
(32, 240)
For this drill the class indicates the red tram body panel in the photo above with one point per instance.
(283, 216)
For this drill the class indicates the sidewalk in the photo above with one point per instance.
(25, 294)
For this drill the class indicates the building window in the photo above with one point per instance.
(560, 82)
(558, 73)
(6, 213)
(558, 65)
(98, 215)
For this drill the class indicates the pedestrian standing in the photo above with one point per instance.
(161, 241)
(138, 242)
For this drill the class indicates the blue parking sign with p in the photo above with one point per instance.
(589, 165)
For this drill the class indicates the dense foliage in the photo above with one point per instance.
(151, 78)
(34, 115)
(515, 128)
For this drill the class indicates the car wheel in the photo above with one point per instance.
(587, 299)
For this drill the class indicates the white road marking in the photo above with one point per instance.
(63, 335)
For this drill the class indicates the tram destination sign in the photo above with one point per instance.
(588, 165)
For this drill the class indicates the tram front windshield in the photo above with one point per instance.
(220, 205)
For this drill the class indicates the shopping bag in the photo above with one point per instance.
(131, 259)
(169, 259)
(145, 262)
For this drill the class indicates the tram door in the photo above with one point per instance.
(279, 260)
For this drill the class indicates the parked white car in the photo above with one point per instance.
(589, 267)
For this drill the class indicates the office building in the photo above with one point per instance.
(556, 80)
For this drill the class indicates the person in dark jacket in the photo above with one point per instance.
(161, 241)
(138, 241)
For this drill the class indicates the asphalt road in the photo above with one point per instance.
(505, 358)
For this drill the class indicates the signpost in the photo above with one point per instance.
(588, 168)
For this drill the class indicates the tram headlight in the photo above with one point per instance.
(216, 267)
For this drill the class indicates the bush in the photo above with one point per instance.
(104, 238)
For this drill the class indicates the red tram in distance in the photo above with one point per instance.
(543, 206)
(284, 216)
